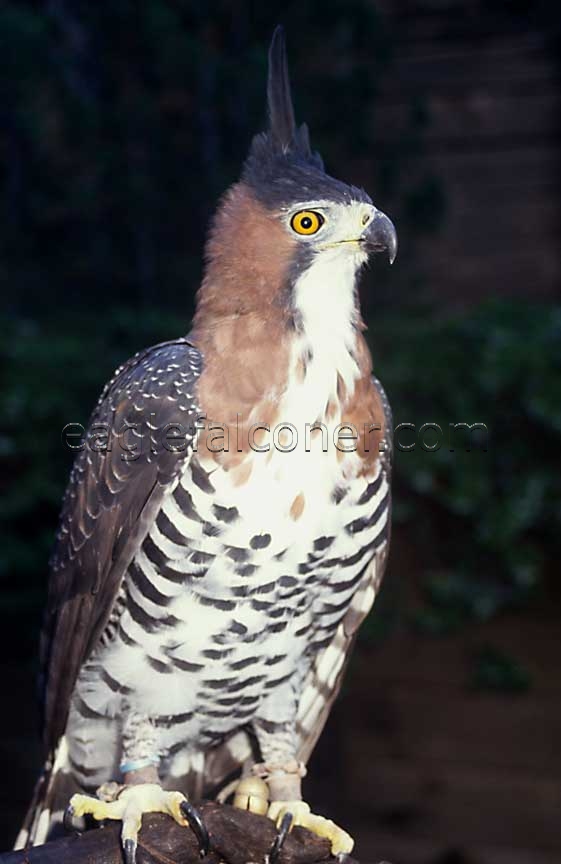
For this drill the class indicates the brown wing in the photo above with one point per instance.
(116, 486)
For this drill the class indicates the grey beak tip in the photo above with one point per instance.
(383, 236)
(391, 239)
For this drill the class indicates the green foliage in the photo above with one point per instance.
(495, 671)
(492, 514)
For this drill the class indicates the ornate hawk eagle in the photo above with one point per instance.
(215, 559)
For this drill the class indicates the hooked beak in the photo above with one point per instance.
(381, 235)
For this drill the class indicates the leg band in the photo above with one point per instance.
(138, 764)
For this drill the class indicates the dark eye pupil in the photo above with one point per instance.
(306, 222)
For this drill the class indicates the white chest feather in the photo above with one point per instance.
(295, 471)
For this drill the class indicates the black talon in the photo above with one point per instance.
(197, 825)
(282, 834)
(129, 848)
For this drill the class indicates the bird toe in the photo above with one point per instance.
(341, 842)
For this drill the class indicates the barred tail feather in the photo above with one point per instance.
(52, 792)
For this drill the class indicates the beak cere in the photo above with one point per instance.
(381, 235)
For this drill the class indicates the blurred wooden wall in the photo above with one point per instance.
(485, 77)
(436, 772)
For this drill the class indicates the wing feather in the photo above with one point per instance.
(112, 498)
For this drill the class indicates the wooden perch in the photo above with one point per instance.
(236, 837)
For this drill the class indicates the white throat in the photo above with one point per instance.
(325, 298)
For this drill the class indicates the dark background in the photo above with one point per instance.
(120, 124)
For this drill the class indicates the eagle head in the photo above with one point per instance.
(287, 219)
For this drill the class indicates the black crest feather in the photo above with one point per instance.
(282, 138)
(282, 126)
(281, 166)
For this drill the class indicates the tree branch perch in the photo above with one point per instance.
(236, 836)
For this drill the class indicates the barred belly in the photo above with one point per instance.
(224, 608)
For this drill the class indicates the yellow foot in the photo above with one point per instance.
(128, 804)
(341, 842)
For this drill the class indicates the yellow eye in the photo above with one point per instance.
(307, 222)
